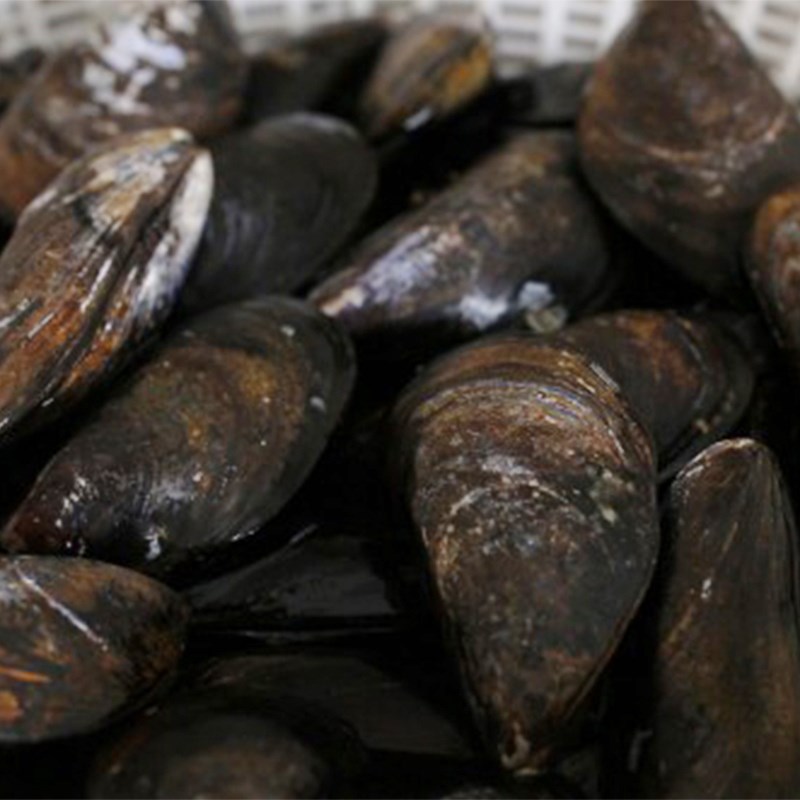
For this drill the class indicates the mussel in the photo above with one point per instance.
(689, 380)
(771, 260)
(94, 266)
(416, 165)
(430, 68)
(231, 743)
(14, 72)
(723, 712)
(548, 95)
(81, 644)
(325, 582)
(346, 571)
(532, 486)
(204, 444)
(170, 64)
(398, 701)
(682, 135)
(517, 234)
(289, 192)
(324, 70)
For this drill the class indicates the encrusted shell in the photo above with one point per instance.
(517, 234)
(532, 487)
(159, 64)
(94, 266)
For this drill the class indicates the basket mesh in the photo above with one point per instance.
(527, 30)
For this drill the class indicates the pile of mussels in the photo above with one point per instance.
(542, 547)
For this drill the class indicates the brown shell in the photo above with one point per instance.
(725, 715)
(94, 265)
(517, 234)
(687, 379)
(682, 135)
(166, 64)
(430, 68)
(203, 445)
(532, 487)
(230, 743)
(80, 644)
(774, 248)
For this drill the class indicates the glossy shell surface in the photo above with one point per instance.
(204, 444)
(289, 192)
(517, 234)
(81, 643)
(94, 266)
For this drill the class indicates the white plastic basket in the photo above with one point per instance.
(528, 31)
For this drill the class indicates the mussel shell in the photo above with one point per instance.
(688, 380)
(168, 64)
(429, 68)
(14, 72)
(517, 234)
(772, 419)
(548, 95)
(234, 743)
(94, 265)
(724, 718)
(202, 446)
(81, 643)
(416, 165)
(323, 583)
(682, 135)
(771, 259)
(398, 702)
(289, 192)
(323, 70)
(347, 572)
(532, 487)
